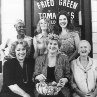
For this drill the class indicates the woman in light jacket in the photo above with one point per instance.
(84, 72)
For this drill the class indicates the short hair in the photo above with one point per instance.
(38, 28)
(85, 41)
(70, 26)
(14, 45)
(52, 36)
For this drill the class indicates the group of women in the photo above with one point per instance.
(56, 71)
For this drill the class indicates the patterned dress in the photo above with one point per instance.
(68, 43)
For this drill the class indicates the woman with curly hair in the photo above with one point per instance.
(69, 37)
(17, 72)
(52, 71)
(43, 28)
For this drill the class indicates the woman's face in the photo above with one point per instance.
(63, 21)
(20, 52)
(43, 24)
(84, 49)
(53, 46)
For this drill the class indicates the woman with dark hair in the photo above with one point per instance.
(69, 37)
(17, 72)
(52, 71)
(42, 30)
(21, 34)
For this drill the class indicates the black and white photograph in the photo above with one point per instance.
(48, 48)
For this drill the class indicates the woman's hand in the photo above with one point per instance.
(62, 82)
(26, 95)
(90, 95)
(40, 77)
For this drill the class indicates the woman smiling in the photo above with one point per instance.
(84, 72)
(52, 68)
(17, 72)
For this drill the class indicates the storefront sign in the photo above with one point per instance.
(50, 9)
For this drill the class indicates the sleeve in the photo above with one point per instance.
(66, 67)
(30, 68)
(73, 83)
(30, 41)
(35, 43)
(35, 47)
(72, 77)
(38, 67)
(9, 73)
(77, 39)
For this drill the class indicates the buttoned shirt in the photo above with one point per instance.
(85, 78)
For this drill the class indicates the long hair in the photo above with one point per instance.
(38, 28)
(57, 27)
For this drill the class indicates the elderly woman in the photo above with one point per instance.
(52, 68)
(42, 30)
(17, 72)
(21, 34)
(84, 72)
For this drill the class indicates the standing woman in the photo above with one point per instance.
(42, 30)
(52, 68)
(17, 72)
(21, 35)
(69, 38)
(84, 72)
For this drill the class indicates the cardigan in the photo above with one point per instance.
(85, 79)
(62, 69)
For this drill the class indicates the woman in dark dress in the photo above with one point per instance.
(17, 72)
(52, 68)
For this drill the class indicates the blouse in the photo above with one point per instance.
(85, 78)
(39, 43)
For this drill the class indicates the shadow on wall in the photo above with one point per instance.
(1, 81)
(1, 76)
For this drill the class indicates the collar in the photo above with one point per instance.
(89, 66)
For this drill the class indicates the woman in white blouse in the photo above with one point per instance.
(84, 72)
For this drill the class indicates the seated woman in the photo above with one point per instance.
(52, 68)
(42, 30)
(84, 72)
(17, 72)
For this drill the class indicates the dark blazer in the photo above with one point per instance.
(13, 73)
(62, 69)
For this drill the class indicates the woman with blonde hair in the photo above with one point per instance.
(43, 28)
(17, 72)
